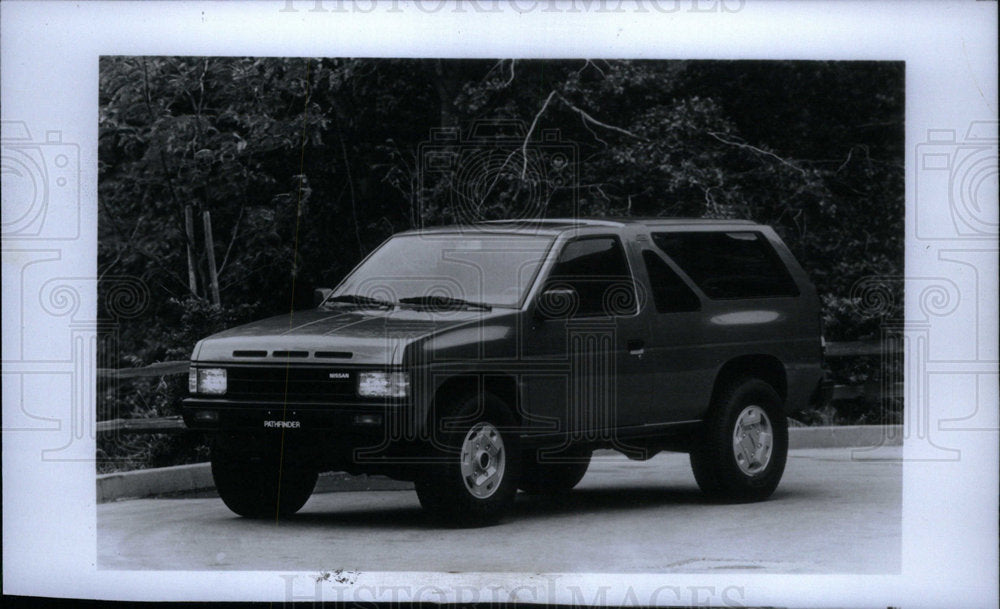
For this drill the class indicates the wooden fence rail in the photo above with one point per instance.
(860, 348)
(167, 425)
(139, 426)
(157, 369)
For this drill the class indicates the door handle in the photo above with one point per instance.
(636, 346)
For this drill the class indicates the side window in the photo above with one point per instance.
(596, 268)
(739, 264)
(670, 293)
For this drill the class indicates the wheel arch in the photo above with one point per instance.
(503, 386)
(767, 368)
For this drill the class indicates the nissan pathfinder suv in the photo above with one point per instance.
(479, 360)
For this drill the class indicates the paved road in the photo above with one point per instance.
(831, 514)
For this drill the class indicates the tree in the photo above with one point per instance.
(306, 164)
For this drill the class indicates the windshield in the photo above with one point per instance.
(493, 269)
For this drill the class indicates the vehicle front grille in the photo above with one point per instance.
(291, 384)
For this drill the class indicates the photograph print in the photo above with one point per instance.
(501, 315)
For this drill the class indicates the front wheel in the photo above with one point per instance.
(741, 453)
(472, 477)
(260, 485)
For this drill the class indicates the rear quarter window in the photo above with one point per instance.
(725, 265)
(670, 294)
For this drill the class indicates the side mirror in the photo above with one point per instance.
(558, 302)
(320, 294)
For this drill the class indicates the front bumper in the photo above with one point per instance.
(219, 414)
(356, 437)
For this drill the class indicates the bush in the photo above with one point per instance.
(141, 398)
(130, 452)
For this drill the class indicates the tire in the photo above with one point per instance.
(731, 459)
(473, 477)
(549, 474)
(256, 487)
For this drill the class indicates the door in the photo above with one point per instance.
(598, 340)
(676, 348)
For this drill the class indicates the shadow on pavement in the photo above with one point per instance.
(606, 500)
(526, 507)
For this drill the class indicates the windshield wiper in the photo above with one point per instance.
(444, 301)
(359, 300)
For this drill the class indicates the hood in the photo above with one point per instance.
(352, 336)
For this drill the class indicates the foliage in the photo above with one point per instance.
(306, 164)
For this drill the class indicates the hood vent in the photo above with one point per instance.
(318, 354)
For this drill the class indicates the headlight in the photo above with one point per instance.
(210, 381)
(383, 384)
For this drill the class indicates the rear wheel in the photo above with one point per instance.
(260, 485)
(545, 474)
(472, 478)
(741, 453)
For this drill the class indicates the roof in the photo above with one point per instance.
(646, 220)
(556, 225)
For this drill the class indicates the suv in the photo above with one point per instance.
(477, 360)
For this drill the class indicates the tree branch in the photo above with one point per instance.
(587, 62)
(583, 115)
(511, 79)
(162, 158)
(121, 247)
(527, 136)
(350, 185)
(758, 151)
(593, 120)
(154, 259)
(232, 240)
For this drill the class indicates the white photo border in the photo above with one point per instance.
(49, 72)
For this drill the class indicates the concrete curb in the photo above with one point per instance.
(845, 436)
(198, 476)
(157, 481)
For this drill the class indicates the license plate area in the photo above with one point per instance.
(279, 420)
(279, 424)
